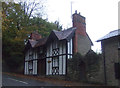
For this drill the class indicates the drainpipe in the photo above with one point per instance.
(105, 78)
(119, 53)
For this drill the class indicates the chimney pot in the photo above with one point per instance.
(76, 11)
(79, 23)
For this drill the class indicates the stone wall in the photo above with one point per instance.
(84, 44)
(110, 53)
(98, 77)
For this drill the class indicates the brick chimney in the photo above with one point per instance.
(35, 36)
(78, 22)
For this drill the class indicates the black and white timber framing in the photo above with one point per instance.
(49, 55)
(31, 62)
(57, 51)
(57, 57)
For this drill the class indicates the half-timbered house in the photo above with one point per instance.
(48, 56)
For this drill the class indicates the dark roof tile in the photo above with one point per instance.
(64, 34)
(41, 42)
(32, 42)
(109, 35)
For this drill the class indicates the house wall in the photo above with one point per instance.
(30, 62)
(110, 53)
(26, 63)
(60, 54)
(70, 48)
(79, 23)
(97, 76)
(83, 44)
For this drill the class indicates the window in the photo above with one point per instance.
(30, 64)
(55, 62)
(55, 66)
(55, 52)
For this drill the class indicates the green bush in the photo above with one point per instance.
(80, 66)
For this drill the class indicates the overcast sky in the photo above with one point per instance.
(101, 15)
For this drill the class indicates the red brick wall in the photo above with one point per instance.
(79, 23)
(35, 36)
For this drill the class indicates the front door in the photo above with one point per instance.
(82, 71)
(41, 67)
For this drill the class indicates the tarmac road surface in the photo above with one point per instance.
(8, 80)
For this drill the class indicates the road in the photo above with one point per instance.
(8, 80)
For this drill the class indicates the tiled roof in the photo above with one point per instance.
(37, 43)
(64, 34)
(109, 35)
(41, 42)
(32, 42)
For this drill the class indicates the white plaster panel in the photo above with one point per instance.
(50, 50)
(64, 64)
(60, 48)
(60, 64)
(50, 68)
(35, 67)
(64, 48)
(68, 44)
(26, 67)
(71, 46)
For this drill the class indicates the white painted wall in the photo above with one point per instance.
(26, 68)
(29, 65)
(70, 48)
(26, 63)
(60, 48)
(64, 48)
(48, 66)
(64, 64)
(35, 67)
(60, 65)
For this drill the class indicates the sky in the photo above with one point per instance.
(101, 16)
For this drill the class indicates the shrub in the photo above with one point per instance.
(79, 67)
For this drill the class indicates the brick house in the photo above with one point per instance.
(48, 56)
(111, 57)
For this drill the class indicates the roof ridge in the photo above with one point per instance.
(113, 31)
(109, 35)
